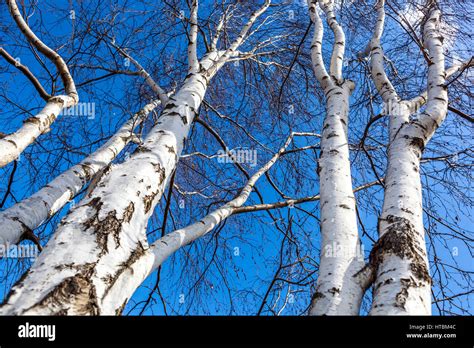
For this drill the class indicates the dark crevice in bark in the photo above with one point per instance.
(134, 256)
(400, 239)
(110, 225)
(76, 294)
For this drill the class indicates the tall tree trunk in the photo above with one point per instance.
(338, 291)
(129, 280)
(340, 285)
(103, 236)
(106, 231)
(403, 282)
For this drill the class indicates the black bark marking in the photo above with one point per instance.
(134, 256)
(141, 148)
(170, 105)
(32, 120)
(170, 149)
(401, 298)
(87, 170)
(119, 310)
(148, 201)
(385, 282)
(331, 135)
(110, 225)
(399, 239)
(74, 295)
(56, 100)
(317, 295)
(418, 143)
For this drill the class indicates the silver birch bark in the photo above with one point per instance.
(106, 232)
(129, 280)
(340, 285)
(403, 284)
(12, 145)
(22, 218)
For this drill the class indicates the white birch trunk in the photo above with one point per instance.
(81, 269)
(164, 247)
(29, 214)
(340, 285)
(106, 232)
(403, 282)
(338, 290)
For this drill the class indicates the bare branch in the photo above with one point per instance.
(24, 69)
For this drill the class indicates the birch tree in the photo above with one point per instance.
(403, 282)
(239, 160)
(113, 216)
(399, 259)
(339, 289)
(12, 145)
(19, 221)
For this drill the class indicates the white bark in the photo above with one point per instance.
(128, 276)
(30, 213)
(403, 283)
(232, 50)
(339, 289)
(146, 76)
(99, 240)
(54, 57)
(106, 231)
(193, 62)
(14, 144)
(164, 247)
